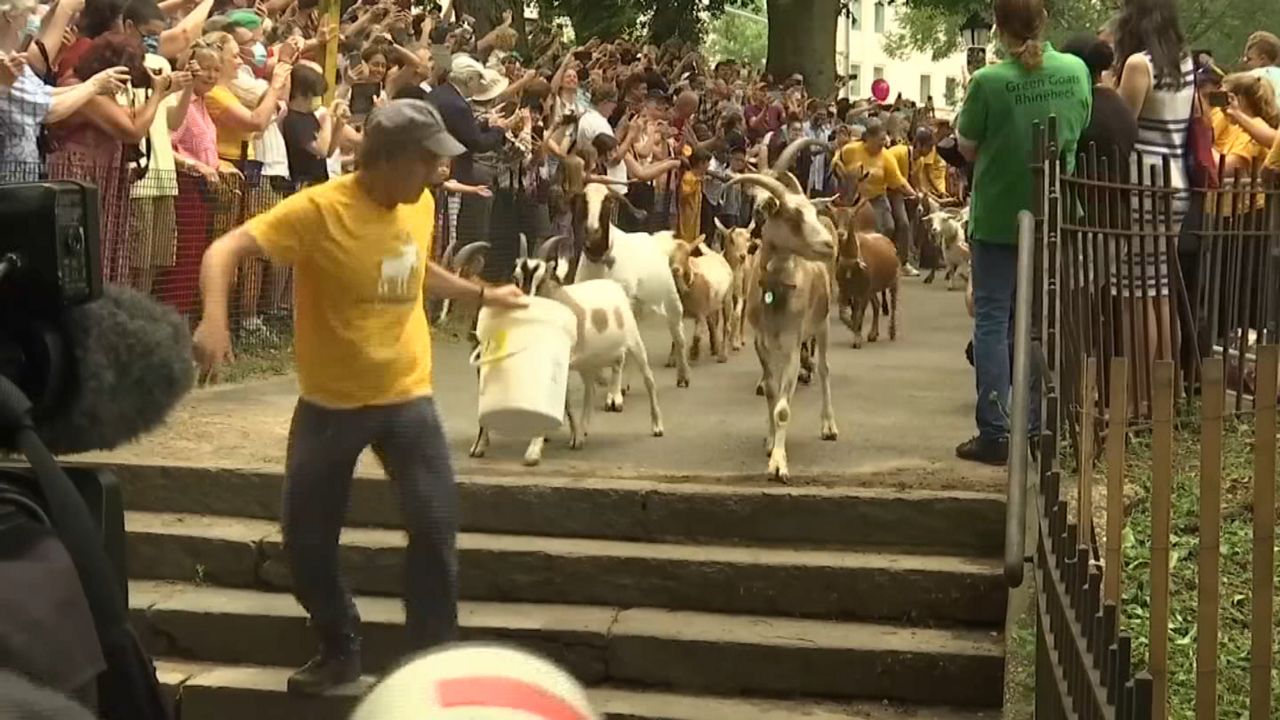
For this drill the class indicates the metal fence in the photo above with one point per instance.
(1119, 284)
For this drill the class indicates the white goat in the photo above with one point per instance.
(789, 302)
(947, 231)
(738, 252)
(607, 331)
(703, 278)
(639, 262)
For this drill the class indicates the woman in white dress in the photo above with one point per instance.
(1157, 82)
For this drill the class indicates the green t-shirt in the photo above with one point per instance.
(1003, 102)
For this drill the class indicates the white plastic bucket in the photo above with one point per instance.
(523, 358)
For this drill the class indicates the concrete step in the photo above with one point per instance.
(213, 692)
(682, 651)
(940, 522)
(825, 584)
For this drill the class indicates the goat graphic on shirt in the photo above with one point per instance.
(398, 272)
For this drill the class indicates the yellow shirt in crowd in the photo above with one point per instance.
(361, 335)
(930, 174)
(689, 208)
(1273, 158)
(230, 142)
(901, 155)
(1231, 139)
(883, 173)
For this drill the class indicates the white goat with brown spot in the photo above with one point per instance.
(607, 332)
(639, 262)
(789, 301)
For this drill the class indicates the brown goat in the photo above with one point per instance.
(867, 267)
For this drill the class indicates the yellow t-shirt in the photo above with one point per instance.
(1273, 158)
(930, 174)
(1237, 141)
(1222, 126)
(901, 155)
(360, 329)
(881, 175)
(230, 142)
(690, 208)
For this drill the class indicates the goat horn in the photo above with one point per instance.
(769, 184)
(464, 255)
(523, 250)
(551, 247)
(789, 154)
(791, 182)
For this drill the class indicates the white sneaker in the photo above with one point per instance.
(910, 270)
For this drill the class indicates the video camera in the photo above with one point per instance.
(62, 566)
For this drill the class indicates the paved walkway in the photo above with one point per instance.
(901, 407)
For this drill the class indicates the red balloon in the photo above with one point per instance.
(880, 90)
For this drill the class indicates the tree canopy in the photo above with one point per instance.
(932, 26)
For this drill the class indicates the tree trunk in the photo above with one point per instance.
(488, 15)
(802, 39)
(672, 19)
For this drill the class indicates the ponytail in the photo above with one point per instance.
(1030, 53)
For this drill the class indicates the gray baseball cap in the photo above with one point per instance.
(407, 123)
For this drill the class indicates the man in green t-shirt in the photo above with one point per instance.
(994, 128)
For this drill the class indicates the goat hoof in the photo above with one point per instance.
(532, 461)
(805, 378)
(830, 434)
(671, 362)
(477, 451)
(760, 389)
(722, 358)
(577, 442)
(778, 471)
(682, 382)
(873, 338)
(658, 431)
(613, 403)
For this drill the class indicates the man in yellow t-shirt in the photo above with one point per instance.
(360, 247)
(881, 173)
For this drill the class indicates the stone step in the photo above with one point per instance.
(907, 520)
(682, 651)
(826, 584)
(213, 692)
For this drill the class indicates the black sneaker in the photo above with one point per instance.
(326, 671)
(988, 452)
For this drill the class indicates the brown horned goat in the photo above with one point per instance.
(867, 268)
(789, 300)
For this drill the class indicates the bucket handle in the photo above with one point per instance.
(477, 361)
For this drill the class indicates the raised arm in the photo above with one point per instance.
(178, 39)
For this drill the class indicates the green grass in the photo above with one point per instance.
(1020, 662)
(1236, 544)
(260, 360)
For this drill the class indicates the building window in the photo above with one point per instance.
(953, 92)
(855, 21)
(854, 86)
(877, 73)
(926, 89)
(880, 17)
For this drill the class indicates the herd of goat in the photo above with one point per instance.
(781, 276)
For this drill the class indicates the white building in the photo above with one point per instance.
(860, 56)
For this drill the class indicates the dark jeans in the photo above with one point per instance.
(323, 448)
(995, 285)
